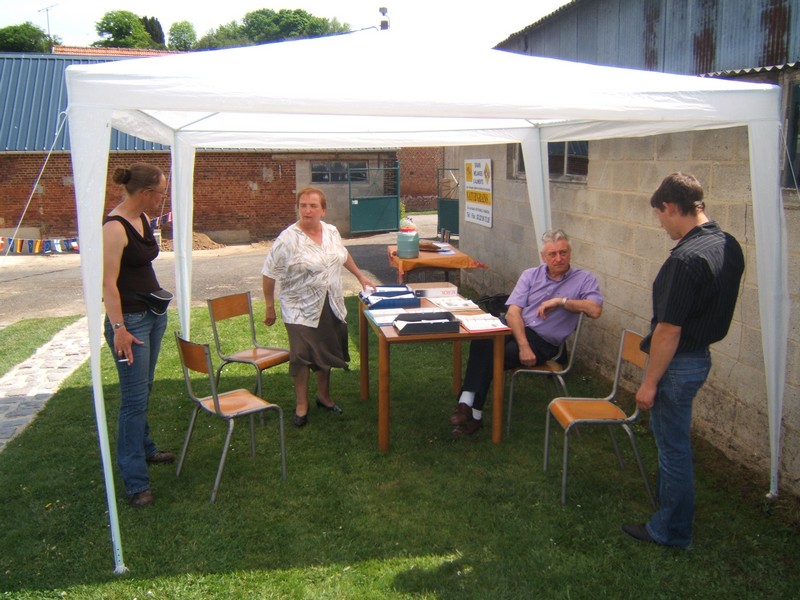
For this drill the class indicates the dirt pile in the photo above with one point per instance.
(200, 241)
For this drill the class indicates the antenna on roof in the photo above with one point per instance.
(46, 10)
(384, 18)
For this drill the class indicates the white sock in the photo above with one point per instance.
(467, 398)
(477, 414)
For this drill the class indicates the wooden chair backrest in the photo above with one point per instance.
(193, 356)
(234, 305)
(631, 351)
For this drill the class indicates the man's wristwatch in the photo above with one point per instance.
(118, 326)
(564, 301)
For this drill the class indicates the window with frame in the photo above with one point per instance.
(567, 160)
(338, 171)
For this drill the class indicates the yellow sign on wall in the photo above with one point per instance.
(478, 187)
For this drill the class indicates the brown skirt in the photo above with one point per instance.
(319, 348)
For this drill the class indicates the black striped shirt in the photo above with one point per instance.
(697, 287)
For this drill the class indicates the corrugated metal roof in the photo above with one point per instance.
(33, 101)
(689, 37)
(753, 70)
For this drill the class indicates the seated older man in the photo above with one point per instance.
(543, 310)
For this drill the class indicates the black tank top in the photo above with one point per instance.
(136, 272)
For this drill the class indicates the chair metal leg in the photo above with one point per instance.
(616, 447)
(632, 437)
(510, 404)
(222, 460)
(219, 373)
(257, 391)
(258, 388)
(561, 387)
(281, 442)
(558, 383)
(565, 467)
(253, 433)
(186, 440)
(546, 439)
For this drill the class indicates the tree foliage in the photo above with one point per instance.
(225, 36)
(26, 37)
(182, 36)
(265, 25)
(123, 29)
(153, 27)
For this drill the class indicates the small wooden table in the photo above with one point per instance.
(432, 260)
(388, 336)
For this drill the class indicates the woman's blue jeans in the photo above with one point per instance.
(134, 444)
(670, 421)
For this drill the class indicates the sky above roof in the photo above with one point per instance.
(480, 22)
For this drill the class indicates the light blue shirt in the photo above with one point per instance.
(535, 286)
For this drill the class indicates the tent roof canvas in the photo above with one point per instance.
(379, 89)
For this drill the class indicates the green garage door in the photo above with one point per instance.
(375, 199)
(374, 213)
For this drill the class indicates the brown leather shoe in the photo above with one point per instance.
(142, 499)
(470, 427)
(461, 414)
(160, 458)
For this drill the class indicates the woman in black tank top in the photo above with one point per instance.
(132, 331)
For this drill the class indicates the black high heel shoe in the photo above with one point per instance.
(300, 421)
(334, 409)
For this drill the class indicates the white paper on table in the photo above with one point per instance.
(485, 322)
(457, 303)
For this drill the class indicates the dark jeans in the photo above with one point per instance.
(478, 377)
(670, 421)
(134, 443)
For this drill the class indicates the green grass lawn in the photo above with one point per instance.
(434, 518)
(21, 339)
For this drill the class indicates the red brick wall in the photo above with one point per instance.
(52, 206)
(236, 191)
(253, 191)
(418, 176)
(233, 191)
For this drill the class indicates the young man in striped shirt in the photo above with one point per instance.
(694, 295)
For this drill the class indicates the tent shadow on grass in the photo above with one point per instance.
(452, 518)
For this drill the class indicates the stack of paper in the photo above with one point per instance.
(484, 322)
(458, 303)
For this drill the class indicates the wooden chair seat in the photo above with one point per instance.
(228, 406)
(259, 356)
(573, 412)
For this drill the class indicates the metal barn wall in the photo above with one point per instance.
(33, 98)
(673, 36)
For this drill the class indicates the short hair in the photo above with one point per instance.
(138, 176)
(312, 190)
(681, 189)
(554, 235)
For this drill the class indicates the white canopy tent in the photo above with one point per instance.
(378, 89)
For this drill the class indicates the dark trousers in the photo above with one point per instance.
(478, 377)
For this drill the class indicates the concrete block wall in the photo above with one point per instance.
(616, 235)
